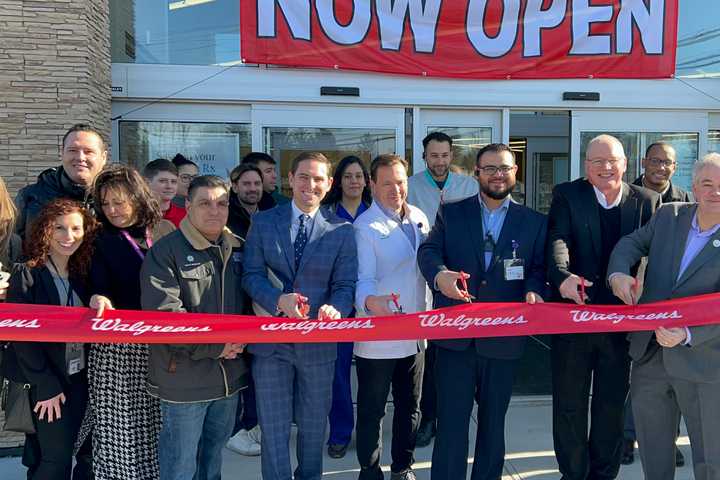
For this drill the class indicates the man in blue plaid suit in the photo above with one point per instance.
(297, 253)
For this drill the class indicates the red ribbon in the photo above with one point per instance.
(74, 324)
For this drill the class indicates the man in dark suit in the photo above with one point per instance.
(297, 253)
(503, 261)
(676, 369)
(587, 218)
(659, 166)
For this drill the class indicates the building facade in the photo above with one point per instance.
(166, 76)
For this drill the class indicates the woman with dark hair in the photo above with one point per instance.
(123, 417)
(348, 197)
(59, 249)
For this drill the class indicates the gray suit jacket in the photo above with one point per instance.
(663, 240)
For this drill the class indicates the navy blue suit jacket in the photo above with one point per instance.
(326, 275)
(456, 243)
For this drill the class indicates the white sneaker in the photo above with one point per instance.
(246, 442)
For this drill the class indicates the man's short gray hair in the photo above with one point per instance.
(605, 138)
(712, 158)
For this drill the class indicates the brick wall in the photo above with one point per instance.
(54, 72)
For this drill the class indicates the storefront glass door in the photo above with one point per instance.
(285, 132)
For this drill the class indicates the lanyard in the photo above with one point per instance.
(69, 302)
(134, 244)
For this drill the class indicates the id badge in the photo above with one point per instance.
(74, 358)
(514, 269)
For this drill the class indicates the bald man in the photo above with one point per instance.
(587, 218)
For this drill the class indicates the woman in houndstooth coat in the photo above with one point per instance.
(124, 419)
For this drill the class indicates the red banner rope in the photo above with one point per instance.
(44, 323)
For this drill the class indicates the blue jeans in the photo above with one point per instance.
(193, 436)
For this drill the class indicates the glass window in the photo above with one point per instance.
(698, 52)
(286, 143)
(635, 144)
(182, 32)
(714, 141)
(216, 147)
(467, 141)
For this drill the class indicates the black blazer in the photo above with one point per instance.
(456, 242)
(673, 194)
(41, 364)
(574, 237)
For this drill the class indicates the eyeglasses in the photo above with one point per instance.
(657, 162)
(187, 178)
(491, 170)
(601, 162)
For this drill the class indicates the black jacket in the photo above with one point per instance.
(115, 269)
(239, 218)
(673, 194)
(51, 184)
(455, 243)
(574, 237)
(41, 364)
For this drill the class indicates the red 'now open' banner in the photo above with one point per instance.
(44, 323)
(466, 38)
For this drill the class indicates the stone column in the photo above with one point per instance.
(54, 72)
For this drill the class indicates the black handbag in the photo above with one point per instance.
(16, 404)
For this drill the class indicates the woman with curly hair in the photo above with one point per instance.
(124, 419)
(59, 249)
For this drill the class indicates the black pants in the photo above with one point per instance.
(375, 377)
(464, 377)
(428, 402)
(246, 418)
(600, 359)
(48, 453)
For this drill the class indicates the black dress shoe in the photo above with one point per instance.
(679, 458)
(336, 450)
(628, 456)
(425, 433)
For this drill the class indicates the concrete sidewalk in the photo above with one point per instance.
(529, 452)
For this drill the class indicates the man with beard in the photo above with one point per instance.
(659, 165)
(437, 184)
(587, 218)
(247, 186)
(427, 190)
(502, 260)
(271, 195)
(246, 181)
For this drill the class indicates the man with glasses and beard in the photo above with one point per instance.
(502, 260)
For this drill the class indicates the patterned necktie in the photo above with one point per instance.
(300, 239)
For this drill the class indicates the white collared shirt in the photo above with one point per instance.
(295, 223)
(603, 201)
